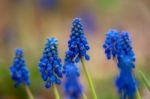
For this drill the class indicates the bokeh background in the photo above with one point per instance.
(28, 23)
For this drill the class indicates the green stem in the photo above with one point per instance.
(28, 92)
(56, 92)
(89, 79)
(144, 79)
(138, 96)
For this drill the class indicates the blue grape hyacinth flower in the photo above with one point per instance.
(110, 43)
(78, 45)
(18, 70)
(118, 45)
(124, 46)
(126, 82)
(50, 64)
(72, 86)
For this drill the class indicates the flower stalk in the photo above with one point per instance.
(144, 79)
(88, 77)
(56, 93)
(28, 91)
(138, 96)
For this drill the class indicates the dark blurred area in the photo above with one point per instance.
(28, 23)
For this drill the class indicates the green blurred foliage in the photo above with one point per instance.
(108, 4)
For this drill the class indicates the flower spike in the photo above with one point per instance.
(110, 43)
(78, 45)
(50, 63)
(124, 46)
(18, 70)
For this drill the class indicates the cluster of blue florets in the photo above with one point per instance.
(124, 46)
(72, 87)
(110, 43)
(50, 63)
(126, 82)
(18, 69)
(78, 45)
(117, 44)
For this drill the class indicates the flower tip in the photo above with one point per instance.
(52, 40)
(77, 19)
(19, 51)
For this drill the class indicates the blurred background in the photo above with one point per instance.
(28, 23)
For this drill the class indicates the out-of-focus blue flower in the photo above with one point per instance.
(50, 63)
(110, 43)
(72, 87)
(78, 45)
(126, 82)
(118, 45)
(124, 46)
(88, 20)
(48, 4)
(18, 70)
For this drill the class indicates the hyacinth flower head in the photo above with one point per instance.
(110, 43)
(124, 46)
(72, 86)
(117, 44)
(50, 64)
(18, 69)
(78, 45)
